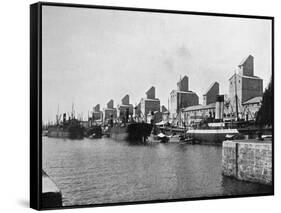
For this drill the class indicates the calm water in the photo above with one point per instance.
(105, 171)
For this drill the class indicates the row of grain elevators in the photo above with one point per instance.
(242, 103)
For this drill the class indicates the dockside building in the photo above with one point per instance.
(251, 108)
(212, 92)
(97, 114)
(181, 98)
(245, 84)
(195, 114)
(125, 109)
(109, 111)
(149, 104)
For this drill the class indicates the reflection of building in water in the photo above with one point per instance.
(149, 104)
(245, 84)
(110, 111)
(125, 109)
(181, 98)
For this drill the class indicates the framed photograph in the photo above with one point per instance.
(134, 105)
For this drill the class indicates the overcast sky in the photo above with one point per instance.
(91, 55)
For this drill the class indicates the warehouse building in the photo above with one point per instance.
(181, 98)
(109, 111)
(149, 104)
(97, 113)
(251, 108)
(245, 84)
(125, 109)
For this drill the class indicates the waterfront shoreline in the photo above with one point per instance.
(248, 160)
(117, 171)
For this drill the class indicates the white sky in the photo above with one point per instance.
(91, 55)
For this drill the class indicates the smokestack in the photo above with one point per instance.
(219, 107)
(64, 117)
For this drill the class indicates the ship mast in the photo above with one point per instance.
(236, 97)
(72, 111)
(168, 110)
(180, 105)
(58, 116)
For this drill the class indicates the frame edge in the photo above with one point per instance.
(35, 49)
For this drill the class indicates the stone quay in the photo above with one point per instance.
(248, 160)
(51, 194)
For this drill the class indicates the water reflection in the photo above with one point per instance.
(106, 171)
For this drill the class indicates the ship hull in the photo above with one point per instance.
(211, 135)
(94, 132)
(134, 132)
(65, 133)
(57, 133)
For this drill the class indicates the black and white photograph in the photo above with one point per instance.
(144, 105)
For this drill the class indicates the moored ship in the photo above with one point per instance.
(216, 131)
(133, 132)
(94, 132)
(70, 128)
(211, 135)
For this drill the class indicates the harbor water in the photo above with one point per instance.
(94, 171)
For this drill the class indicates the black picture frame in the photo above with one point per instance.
(36, 100)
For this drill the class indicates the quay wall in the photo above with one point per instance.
(249, 160)
(51, 194)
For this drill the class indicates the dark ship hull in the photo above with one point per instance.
(94, 132)
(133, 132)
(71, 132)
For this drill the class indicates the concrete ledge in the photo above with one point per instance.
(248, 160)
(51, 195)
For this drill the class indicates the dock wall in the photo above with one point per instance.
(248, 160)
(51, 194)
